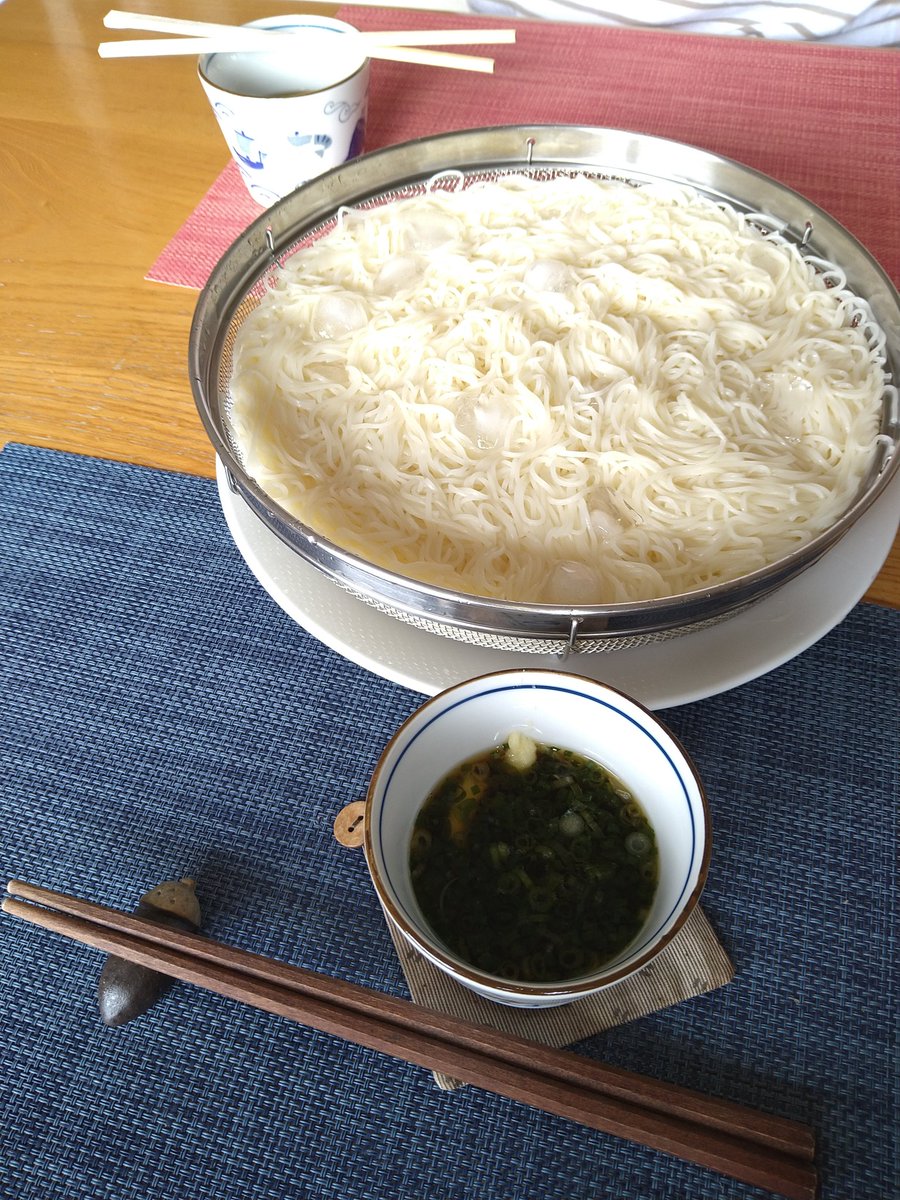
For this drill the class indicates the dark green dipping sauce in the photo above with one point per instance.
(535, 873)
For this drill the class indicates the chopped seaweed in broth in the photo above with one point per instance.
(533, 863)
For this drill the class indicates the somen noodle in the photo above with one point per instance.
(569, 391)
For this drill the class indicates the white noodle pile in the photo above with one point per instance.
(569, 391)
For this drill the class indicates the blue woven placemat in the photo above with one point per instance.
(161, 717)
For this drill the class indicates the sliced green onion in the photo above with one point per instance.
(638, 844)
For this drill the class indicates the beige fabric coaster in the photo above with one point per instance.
(692, 964)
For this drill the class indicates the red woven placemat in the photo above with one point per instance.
(820, 119)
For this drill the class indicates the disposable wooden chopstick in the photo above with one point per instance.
(225, 44)
(207, 37)
(237, 43)
(764, 1151)
(116, 19)
(440, 37)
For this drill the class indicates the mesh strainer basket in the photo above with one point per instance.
(240, 278)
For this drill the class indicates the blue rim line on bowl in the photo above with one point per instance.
(637, 955)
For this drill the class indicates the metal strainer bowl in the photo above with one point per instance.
(240, 278)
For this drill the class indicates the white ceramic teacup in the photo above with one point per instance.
(289, 115)
(559, 709)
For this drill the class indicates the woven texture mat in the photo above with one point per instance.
(161, 716)
(820, 119)
(691, 964)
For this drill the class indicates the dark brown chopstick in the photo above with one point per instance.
(774, 1132)
(765, 1151)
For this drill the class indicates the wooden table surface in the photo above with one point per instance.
(102, 161)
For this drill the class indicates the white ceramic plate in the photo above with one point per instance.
(660, 675)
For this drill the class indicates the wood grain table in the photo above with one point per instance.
(100, 164)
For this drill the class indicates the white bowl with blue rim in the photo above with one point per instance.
(553, 708)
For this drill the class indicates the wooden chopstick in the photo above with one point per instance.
(764, 1151)
(440, 37)
(775, 1132)
(237, 43)
(208, 37)
(116, 19)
